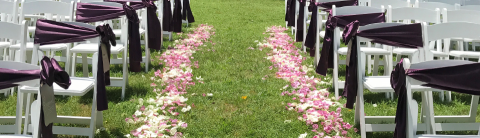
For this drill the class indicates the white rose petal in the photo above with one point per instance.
(303, 135)
(287, 121)
(209, 94)
(185, 109)
(374, 105)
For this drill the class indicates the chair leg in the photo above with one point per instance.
(376, 65)
(147, 58)
(85, 65)
(18, 117)
(125, 74)
(27, 113)
(449, 96)
(430, 114)
(473, 108)
(335, 75)
(74, 62)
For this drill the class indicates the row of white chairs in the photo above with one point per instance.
(434, 18)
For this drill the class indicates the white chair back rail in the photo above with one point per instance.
(8, 10)
(451, 2)
(434, 5)
(470, 7)
(471, 2)
(62, 9)
(393, 3)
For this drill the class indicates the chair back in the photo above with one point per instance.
(63, 10)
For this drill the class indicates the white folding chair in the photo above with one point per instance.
(48, 8)
(79, 87)
(348, 10)
(35, 111)
(461, 16)
(92, 47)
(8, 13)
(412, 114)
(16, 32)
(418, 15)
(382, 84)
(382, 4)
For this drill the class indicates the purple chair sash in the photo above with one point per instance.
(326, 58)
(450, 75)
(154, 27)
(177, 17)
(188, 10)
(87, 12)
(50, 73)
(167, 16)
(407, 36)
(300, 21)
(52, 32)
(290, 15)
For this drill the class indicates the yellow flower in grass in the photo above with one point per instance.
(244, 97)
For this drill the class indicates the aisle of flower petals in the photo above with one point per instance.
(319, 111)
(170, 84)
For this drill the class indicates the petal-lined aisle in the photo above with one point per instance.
(158, 115)
(318, 109)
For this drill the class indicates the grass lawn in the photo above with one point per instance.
(229, 72)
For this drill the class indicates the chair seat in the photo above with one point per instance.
(366, 50)
(118, 32)
(15, 136)
(79, 87)
(93, 47)
(4, 44)
(467, 54)
(447, 136)
(411, 51)
(382, 84)
(52, 47)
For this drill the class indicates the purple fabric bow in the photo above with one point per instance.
(407, 36)
(177, 17)
(300, 21)
(52, 32)
(87, 12)
(450, 75)
(187, 11)
(50, 73)
(326, 59)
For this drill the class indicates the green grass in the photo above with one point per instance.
(229, 73)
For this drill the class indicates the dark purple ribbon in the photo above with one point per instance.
(50, 73)
(290, 15)
(52, 32)
(167, 16)
(187, 11)
(87, 12)
(300, 21)
(404, 35)
(177, 17)
(154, 27)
